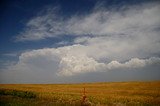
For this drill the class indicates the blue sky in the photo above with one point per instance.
(58, 41)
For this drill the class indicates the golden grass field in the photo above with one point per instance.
(98, 94)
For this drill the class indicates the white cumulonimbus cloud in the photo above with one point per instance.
(66, 61)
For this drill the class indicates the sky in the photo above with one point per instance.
(73, 41)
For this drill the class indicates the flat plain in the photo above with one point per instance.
(98, 94)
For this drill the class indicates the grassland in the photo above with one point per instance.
(98, 94)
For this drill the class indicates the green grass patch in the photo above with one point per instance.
(18, 93)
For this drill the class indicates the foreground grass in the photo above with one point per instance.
(100, 94)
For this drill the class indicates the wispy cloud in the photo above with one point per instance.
(10, 54)
(133, 21)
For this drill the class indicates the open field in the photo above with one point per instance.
(98, 94)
